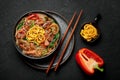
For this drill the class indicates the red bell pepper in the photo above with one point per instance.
(89, 61)
(33, 16)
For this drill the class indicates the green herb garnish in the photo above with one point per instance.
(51, 45)
(32, 24)
(19, 26)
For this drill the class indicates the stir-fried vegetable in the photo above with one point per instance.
(19, 26)
(51, 45)
(32, 24)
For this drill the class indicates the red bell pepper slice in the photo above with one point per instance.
(33, 16)
(89, 61)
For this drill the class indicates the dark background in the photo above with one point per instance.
(13, 68)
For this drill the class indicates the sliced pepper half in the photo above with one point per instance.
(89, 61)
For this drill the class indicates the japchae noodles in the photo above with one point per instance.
(37, 34)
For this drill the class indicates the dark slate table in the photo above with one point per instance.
(12, 67)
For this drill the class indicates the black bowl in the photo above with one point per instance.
(20, 50)
(95, 24)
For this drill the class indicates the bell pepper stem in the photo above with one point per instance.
(98, 68)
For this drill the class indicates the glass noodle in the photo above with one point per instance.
(37, 35)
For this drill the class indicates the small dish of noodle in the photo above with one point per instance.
(89, 32)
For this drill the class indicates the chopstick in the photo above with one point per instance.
(63, 52)
(54, 56)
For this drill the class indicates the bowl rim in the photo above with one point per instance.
(14, 30)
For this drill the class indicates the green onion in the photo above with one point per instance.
(51, 45)
(32, 24)
(19, 26)
(25, 38)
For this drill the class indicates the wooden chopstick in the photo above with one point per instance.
(51, 62)
(63, 52)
